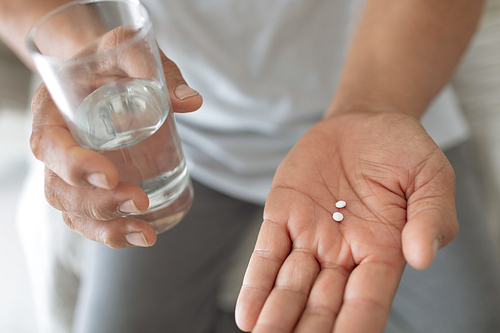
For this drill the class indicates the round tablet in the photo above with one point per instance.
(340, 204)
(338, 216)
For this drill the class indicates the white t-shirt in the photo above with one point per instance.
(267, 71)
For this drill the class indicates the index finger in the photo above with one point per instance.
(53, 144)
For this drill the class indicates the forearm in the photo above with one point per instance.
(18, 17)
(403, 53)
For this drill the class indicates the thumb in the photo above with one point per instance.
(432, 219)
(183, 97)
(425, 234)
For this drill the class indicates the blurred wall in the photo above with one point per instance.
(477, 83)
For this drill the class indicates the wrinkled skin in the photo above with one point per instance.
(83, 184)
(312, 274)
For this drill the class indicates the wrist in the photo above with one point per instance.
(359, 106)
(350, 98)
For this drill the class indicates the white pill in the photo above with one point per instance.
(338, 216)
(340, 204)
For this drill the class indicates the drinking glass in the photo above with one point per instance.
(101, 65)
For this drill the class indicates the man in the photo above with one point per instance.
(266, 95)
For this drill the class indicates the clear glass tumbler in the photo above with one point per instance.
(101, 65)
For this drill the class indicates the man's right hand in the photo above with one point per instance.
(84, 184)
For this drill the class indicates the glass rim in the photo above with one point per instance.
(144, 30)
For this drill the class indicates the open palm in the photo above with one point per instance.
(309, 273)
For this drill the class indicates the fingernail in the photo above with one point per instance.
(137, 239)
(98, 180)
(128, 207)
(183, 91)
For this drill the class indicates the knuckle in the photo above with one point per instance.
(35, 144)
(68, 220)
(111, 238)
(51, 194)
(50, 197)
(96, 211)
(41, 107)
(39, 97)
(171, 70)
(102, 232)
(83, 202)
